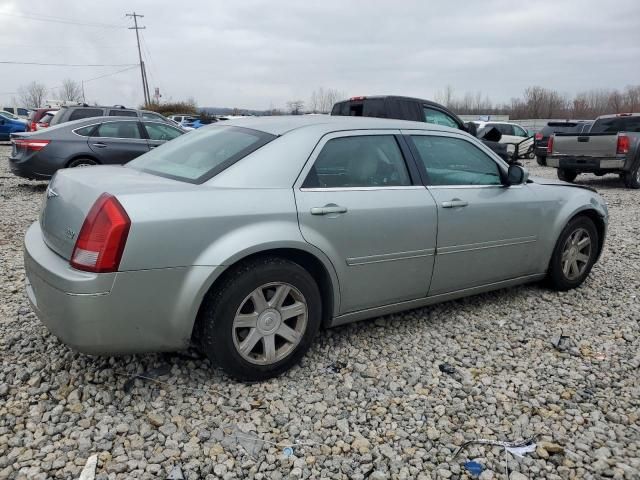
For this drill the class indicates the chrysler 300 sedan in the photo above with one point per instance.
(246, 238)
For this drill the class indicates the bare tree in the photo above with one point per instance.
(295, 107)
(322, 99)
(632, 98)
(70, 91)
(32, 95)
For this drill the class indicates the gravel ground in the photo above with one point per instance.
(370, 400)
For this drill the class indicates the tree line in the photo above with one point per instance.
(541, 102)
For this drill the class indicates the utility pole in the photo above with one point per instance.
(145, 87)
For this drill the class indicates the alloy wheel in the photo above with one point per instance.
(270, 323)
(576, 253)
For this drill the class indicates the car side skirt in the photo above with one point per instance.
(430, 300)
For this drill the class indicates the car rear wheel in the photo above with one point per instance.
(261, 320)
(632, 178)
(82, 162)
(574, 254)
(542, 161)
(567, 175)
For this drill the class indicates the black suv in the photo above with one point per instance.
(68, 113)
(542, 137)
(418, 110)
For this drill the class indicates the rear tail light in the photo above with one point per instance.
(32, 127)
(30, 144)
(538, 136)
(102, 237)
(623, 145)
(550, 145)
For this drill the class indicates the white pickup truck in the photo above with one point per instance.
(612, 145)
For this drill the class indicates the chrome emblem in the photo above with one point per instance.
(51, 192)
(70, 233)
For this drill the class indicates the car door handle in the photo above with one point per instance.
(328, 210)
(100, 145)
(456, 202)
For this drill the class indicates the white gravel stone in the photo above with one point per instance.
(389, 412)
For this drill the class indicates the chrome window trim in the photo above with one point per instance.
(359, 132)
(364, 189)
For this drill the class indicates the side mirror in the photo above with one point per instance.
(516, 175)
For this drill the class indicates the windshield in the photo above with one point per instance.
(201, 154)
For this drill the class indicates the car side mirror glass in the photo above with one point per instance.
(517, 175)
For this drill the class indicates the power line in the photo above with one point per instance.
(68, 64)
(47, 18)
(82, 81)
(145, 85)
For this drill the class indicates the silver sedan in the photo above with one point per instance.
(246, 238)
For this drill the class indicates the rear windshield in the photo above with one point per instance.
(561, 128)
(616, 124)
(201, 154)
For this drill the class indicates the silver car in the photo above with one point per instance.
(246, 238)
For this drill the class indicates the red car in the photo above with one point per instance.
(36, 116)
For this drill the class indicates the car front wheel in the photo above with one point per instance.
(261, 320)
(574, 254)
(567, 175)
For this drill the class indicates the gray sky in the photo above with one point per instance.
(257, 54)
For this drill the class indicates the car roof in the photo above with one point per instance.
(495, 121)
(621, 115)
(281, 124)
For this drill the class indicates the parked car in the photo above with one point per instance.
(45, 121)
(70, 113)
(511, 134)
(542, 137)
(36, 115)
(91, 141)
(19, 112)
(181, 117)
(419, 110)
(611, 146)
(246, 237)
(9, 124)
(197, 122)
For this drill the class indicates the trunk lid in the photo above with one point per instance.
(72, 192)
(588, 145)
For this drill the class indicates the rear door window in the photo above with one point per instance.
(454, 161)
(359, 161)
(122, 113)
(374, 107)
(79, 113)
(437, 117)
(118, 130)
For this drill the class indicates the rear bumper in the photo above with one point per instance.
(32, 167)
(112, 313)
(540, 151)
(585, 164)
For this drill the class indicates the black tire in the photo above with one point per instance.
(542, 161)
(632, 178)
(556, 277)
(215, 332)
(567, 175)
(81, 162)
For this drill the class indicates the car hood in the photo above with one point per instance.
(558, 183)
